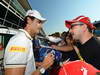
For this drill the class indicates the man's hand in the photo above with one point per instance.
(48, 60)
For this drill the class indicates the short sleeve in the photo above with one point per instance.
(16, 53)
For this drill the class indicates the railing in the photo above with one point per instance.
(10, 8)
(4, 21)
(18, 6)
(10, 24)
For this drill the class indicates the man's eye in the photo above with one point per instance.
(39, 21)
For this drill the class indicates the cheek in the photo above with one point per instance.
(74, 31)
(37, 28)
(84, 30)
(77, 30)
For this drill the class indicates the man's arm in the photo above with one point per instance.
(48, 61)
(19, 71)
(63, 48)
(15, 71)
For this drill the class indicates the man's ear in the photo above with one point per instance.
(29, 21)
(84, 27)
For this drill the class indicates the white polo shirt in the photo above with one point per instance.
(19, 52)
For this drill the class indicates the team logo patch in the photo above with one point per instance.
(17, 49)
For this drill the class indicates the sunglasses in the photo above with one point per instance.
(72, 25)
(75, 24)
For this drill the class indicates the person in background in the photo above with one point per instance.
(19, 56)
(54, 38)
(65, 46)
(81, 30)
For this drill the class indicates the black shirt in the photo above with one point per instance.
(90, 51)
(70, 54)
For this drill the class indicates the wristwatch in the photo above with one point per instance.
(42, 70)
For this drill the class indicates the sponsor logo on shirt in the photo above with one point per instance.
(17, 49)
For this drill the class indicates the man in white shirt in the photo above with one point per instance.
(19, 56)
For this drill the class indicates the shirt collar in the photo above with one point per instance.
(26, 33)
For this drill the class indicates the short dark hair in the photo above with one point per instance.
(25, 20)
(89, 29)
(64, 35)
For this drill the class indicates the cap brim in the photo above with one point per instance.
(69, 22)
(41, 18)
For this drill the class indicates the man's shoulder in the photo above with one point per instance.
(94, 43)
(18, 39)
(20, 36)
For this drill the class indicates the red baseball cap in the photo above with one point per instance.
(77, 67)
(82, 19)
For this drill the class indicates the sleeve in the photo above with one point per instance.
(16, 54)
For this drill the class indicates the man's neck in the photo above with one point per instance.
(28, 32)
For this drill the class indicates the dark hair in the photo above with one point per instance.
(56, 34)
(89, 29)
(25, 20)
(64, 35)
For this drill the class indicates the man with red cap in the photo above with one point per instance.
(81, 30)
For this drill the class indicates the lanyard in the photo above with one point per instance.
(78, 53)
